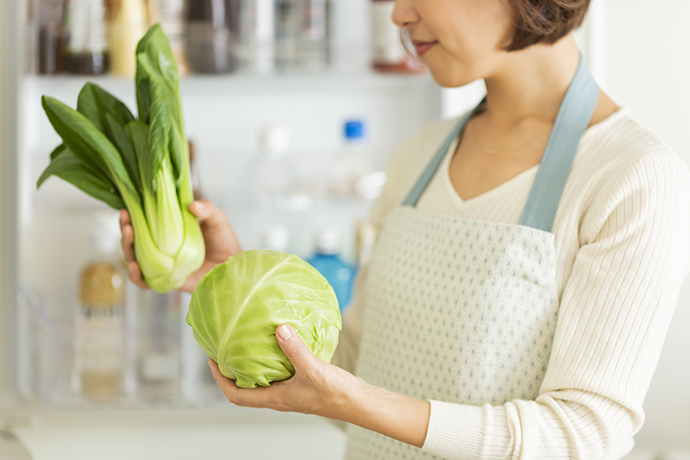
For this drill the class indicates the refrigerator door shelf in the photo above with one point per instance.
(310, 439)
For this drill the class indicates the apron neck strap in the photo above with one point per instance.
(430, 170)
(572, 121)
(573, 118)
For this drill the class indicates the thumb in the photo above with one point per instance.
(206, 212)
(293, 346)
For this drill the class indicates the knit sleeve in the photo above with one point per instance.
(615, 311)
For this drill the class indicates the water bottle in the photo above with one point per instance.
(328, 261)
(351, 162)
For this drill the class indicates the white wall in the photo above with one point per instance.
(648, 71)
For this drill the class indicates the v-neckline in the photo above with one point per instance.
(445, 166)
(448, 182)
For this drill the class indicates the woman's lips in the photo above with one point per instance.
(423, 47)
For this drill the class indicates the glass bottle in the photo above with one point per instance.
(287, 29)
(258, 35)
(388, 53)
(100, 333)
(313, 41)
(50, 14)
(127, 23)
(84, 27)
(211, 35)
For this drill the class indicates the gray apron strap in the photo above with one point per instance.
(573, 118)
(428, 174)
(572, 121)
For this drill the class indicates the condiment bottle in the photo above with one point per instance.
(211, 35)
(84, 27)
(388, 52)
(99, 352)
(128, 22)
(258, 35)
(287, 30)
(50, 59)
(313, 41)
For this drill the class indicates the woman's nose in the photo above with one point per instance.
(404, 14)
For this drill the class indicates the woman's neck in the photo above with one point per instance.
(531, 84)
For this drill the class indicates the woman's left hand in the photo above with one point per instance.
(317, 388)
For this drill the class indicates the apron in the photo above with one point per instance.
(465, 311)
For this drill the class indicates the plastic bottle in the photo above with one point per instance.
(273, 174)
(351, 162)
(328, 261)
(212, 35)
(100, 333)
(258, 35)
(159, 344)
(313, 41)
(388, 52)
(127, 23)
(84, 27)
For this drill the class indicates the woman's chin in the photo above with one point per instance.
(446, 78)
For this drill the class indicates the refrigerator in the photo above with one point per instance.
(44, 234)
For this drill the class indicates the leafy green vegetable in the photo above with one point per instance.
(238, 305)
(141, 165)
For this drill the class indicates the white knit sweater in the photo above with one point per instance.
(622, 236)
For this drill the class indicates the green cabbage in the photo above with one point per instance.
(139, 165)
(238, 305)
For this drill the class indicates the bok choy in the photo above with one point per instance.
(141, 165)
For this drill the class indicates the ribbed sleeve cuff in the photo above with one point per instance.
(455, 431)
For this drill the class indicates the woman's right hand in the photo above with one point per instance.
(219, 237)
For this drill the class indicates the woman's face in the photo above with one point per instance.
(460, 41)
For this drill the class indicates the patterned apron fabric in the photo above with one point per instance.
(465, 311)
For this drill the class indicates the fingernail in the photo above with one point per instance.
(285, 332)
(131, 271)
(199, 206)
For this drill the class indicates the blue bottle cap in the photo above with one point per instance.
(354, 130)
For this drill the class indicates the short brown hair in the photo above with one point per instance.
(544, 21)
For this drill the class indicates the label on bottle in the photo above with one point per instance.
(85, 21)
(258, 34)
(387, 47)
(170, 15)
(100, 339)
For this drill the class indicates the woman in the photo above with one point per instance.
(529, 258)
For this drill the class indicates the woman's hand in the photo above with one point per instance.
(323, 389)
(219, 237)
(316, 388)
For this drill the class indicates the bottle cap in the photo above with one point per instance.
(275, 238)
(328, 241)
(275, 139)
(354, 130)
